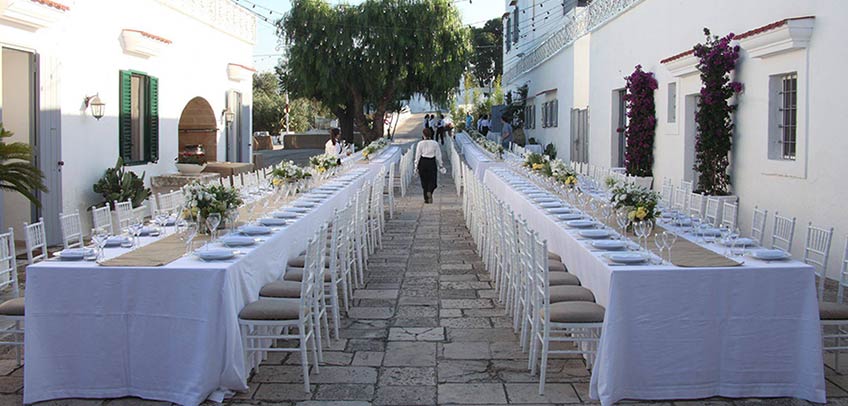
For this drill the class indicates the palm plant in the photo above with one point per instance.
(17, 173)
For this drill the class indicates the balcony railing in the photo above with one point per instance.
(581, 23)
(223, 15)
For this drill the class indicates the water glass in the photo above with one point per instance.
(212, 222)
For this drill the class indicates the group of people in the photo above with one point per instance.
(440, 126)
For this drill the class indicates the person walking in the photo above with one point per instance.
(428, 159)
(506, 133)
(469, 121)
(440, 129)
(426, 121)
(483, 125)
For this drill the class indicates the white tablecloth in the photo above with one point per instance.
(680, 333)
(167, 333)
(477, 159)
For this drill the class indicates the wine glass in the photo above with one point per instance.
(672, 238)
(212, 222)
(649, 227)
(187, 234)
(622, 219)
(661, 241)
(99, 237)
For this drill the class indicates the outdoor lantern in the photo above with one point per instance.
(229, 116)
(97, 106)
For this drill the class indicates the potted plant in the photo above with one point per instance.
(191, 162)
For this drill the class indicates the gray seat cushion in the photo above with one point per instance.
(296, 274)
(13, 307)
(828, 311)
(556, 266)
(300, 262)
(281, 290)
(562, 278)
(555, 257)
(570, 293)
(577, 312)
(264, 309)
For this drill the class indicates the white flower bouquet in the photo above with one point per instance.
(323, 162)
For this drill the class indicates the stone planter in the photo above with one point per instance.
(190, 169)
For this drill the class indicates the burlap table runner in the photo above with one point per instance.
(158, 253)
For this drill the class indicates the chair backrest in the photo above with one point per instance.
(758, 224)
(170, 201)
(843, 273)
(102, 218)
(711, 210)
(783, 232)
(687, 185)
(817, 252)
(311, 287)
(71, 229)
(124, 212)
(36, 240)
(728, 214)
(8, 263)
(667, 194)
(696, 204)
(681, 199)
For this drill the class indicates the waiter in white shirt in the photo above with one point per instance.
(334, 145)
(428, 160)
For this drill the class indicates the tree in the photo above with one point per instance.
(17, 173)
(268, 103)
(488, 51)
(361, 60)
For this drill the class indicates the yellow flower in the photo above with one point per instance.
(631, 215)
(321, 169)
(277, 182)
(641, 213)
(537, 167)
(570, 180)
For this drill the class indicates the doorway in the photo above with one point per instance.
(580, 135)
(690, 136)
(619, 123)
(18, 115)
(197, 126)
(238, 142)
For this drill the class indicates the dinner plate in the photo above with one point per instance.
(215, 254)
(296, 209)
(272, 221)
(284, 215)
(708, 232)
(255, 230)
(770, 255)
(116, 241)
(683, 221)
(594, 233)
(237, 240)
(609, 244)
(560, 210)
(75, 254)
(740, 242)
(570, 216)
(304, 203)
(580, 223)
(627, 257)
(545, 199)
(548, 205)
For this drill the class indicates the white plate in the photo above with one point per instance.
(560, 210)
(770, 255)
(296, 210)
(545, 199)
(255, 230)
(273, 221)
(285, 215)
(708, 232)
(75, 254)
(237, 241)
(116, 241)
(740, 242)
(214, 254)
(609, 244)
(594, 233)
(627, 258)
(580, 223)
(549, 205)
(303, 203)
(570, 216)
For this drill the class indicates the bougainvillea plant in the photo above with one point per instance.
(714, 118)
(642, 122)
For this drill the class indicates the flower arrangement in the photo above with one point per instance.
(375, 146)
(538, 162)
(642, 121)
(487, 144)
(200, 199)
(287, 172)
(191, 158)
(640, 202)
(717, 59)
(323, 162)
(563, 173)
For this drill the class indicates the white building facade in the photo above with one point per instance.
(573, 56)
(170, 73)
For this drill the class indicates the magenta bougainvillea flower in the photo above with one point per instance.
(642, 122)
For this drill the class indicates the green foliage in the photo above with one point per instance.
(497, 92)
(360, 60)
(118, 184)
(515, 103)
(17, 173)
(487, 59)
(269, 107)
(551, 150)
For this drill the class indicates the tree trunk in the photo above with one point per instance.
(345, 116)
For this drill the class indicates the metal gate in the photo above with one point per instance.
(580, 135)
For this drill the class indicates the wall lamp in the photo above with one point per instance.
(97, 106)
(228, 116)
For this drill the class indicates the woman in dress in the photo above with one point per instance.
(428, 160)
(334, 145)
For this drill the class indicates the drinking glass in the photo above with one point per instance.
(622, 219)
(99, 237)
(672, 238)
(187, 234)
(649, 227)
(212, 222)
(660, 241)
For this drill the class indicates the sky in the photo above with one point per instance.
(266, 54)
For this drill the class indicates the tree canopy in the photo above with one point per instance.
(361, 60)
(488, 51)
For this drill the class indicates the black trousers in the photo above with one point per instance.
(485, 131)
(440, 135)
(428, 171)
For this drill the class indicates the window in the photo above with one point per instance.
(508, 36)
(138, 120)
(515, 26)
(789, 114)
(672, 102)
(549, 114)
(530, 117)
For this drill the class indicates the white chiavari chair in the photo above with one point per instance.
(11, 310)
(729, 212)
(711, 211)
(575, 322)
(687, 185)
(834, 315)
(666, 194)
(817, 253)
(783, 232)
(102, 218)
(376, 213)
(267, 319)
(697, 201)
(169, 202)
(758, 225)
(389, 192)
(36, 240)
(124, 214)
(360, 240)
(71, 225)
(681, 200)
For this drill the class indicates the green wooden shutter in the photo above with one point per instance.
(152, 119)
(125, 116)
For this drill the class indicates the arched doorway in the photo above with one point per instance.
(199, 126)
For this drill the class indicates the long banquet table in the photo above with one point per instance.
(167, 333)
(477, 159)
(685, 333)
